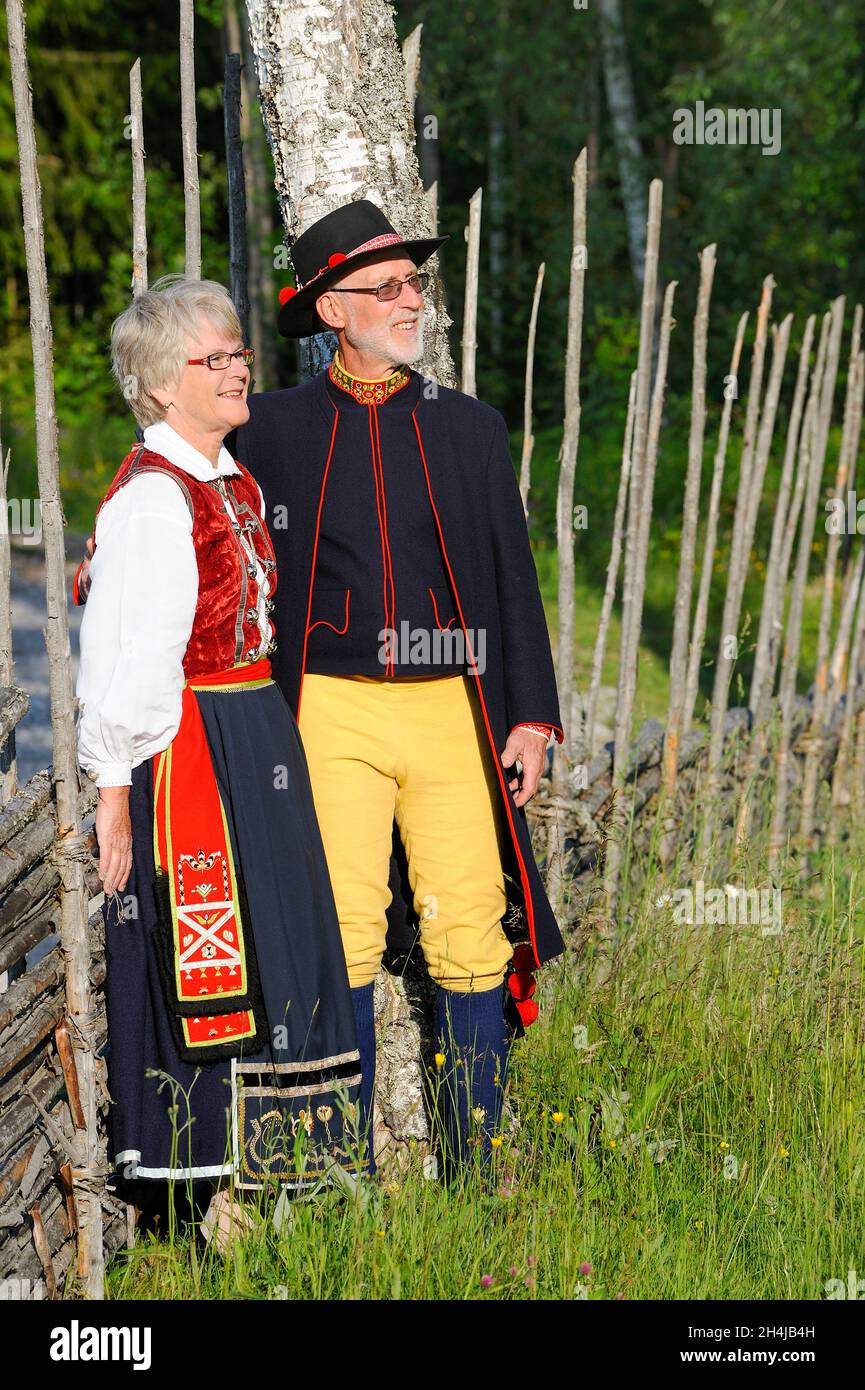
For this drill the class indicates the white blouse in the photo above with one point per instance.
(139, 613)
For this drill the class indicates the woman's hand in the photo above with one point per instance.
(114, 833)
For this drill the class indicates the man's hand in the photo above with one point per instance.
(84, 571)
(114, 833)
(531, 751)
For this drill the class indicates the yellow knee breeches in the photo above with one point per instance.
(415, 750)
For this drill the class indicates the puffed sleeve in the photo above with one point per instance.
(135, 628)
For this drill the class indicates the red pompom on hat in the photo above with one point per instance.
(336, 258)
(286, 293)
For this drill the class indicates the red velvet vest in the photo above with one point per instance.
(225, 630)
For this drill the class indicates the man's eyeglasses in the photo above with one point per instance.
(218, 361)
(391, 288)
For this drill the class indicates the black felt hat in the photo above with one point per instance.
(350, 236)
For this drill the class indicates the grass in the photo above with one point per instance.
(692, 1128)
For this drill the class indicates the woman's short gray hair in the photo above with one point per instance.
(148, 340)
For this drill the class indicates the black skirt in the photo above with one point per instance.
(288, 1111)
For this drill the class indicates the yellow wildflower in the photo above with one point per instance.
(440, 1059)
(496, 1141)
(557, 1117)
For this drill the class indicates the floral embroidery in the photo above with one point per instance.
(368, 392)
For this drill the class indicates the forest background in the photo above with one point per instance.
(514, 92)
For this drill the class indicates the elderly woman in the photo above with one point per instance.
(232, 1046)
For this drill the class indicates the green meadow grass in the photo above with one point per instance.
(691, 1128)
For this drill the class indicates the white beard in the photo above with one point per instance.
(385, 343)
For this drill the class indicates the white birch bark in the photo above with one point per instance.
(333, 98)
(622, 107)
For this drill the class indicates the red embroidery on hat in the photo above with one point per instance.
(386, 239)
(286, 293)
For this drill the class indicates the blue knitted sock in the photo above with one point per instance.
(364, 1018)
(471, 1031)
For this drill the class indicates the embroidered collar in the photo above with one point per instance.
(367, 392)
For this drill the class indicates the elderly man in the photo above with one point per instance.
(412, 646)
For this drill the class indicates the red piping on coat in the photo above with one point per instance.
(382, 528)
(436, 611)
(314, 552)
(322, 622)
(392, 616)
(530, 912)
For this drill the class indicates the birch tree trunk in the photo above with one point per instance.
(332, 87)
(70, 850)
(623, 115)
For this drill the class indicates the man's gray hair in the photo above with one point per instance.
(148, 340)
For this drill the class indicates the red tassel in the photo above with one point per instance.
(336, 258)
(528, 1011)
(522, 984)
(286, 293)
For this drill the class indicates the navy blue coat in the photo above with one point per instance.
(465, 453)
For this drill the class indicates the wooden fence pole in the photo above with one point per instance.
(612, 578)
(690, 518)
(563, 754)
(189, 138)
(236, 193)
(627, 681)
(528, 436)
(822, 688)
(772, 609)
(698, 631)
(470, 307)
(70, 849)
(139, 183)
